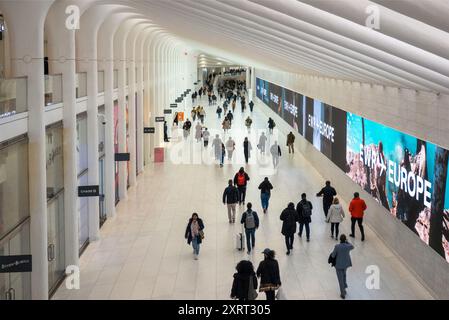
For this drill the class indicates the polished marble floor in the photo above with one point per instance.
(142, 253)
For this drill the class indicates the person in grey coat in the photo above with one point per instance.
(342, 257)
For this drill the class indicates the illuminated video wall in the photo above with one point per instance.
(408, 176)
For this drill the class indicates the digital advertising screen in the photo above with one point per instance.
(293, 112)
(408, 176)
(275, 101)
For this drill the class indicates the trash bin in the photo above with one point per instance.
(159, 154)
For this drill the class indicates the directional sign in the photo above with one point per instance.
(149, 130)
(9, 264)
(160, 119)
(122, 157)
(173, 105)
(88, 191)
(167, 111)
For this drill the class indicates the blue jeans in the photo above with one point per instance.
(250, 238)
(196, 245)
(265, 198)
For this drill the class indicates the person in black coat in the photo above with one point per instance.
(304, 209)
(265, 193)
(194, 233)
(268, 272)
(328, 194)
(244, 285)
(230, 198)
(289, 217)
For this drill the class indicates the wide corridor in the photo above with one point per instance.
(142, 253)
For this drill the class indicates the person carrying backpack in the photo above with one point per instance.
(271, 125)
(250, 221)
(241, 179)
(289, 217)
(230, 198)
(304, 209)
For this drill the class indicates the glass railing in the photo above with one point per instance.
(81, 85)
(100, 81)
(13, 96)
(53, 89)
(115, 79)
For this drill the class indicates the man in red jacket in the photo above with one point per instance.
(357, 208)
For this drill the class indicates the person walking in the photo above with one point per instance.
(250, 221)
(166, 132)
(230, 116)
(193, 113)
(241, 179)
(291, 142)
(194, 234)
(328, 193)
(275, 151)
(219, 111)
(216, 143)
(265, 193)
(206, 135)
(289, 217)
(222, 155)
(247, 149)
(233, 105)
(198, 132)
(225, 106)
(342, 258)
(335, 217)
(202, 115)
(262, 143)
(230, 147)
(304, 209)
(268, 272)
(186, 127)
(357, 209)
(175, 120)
(244, 286)
(251, 105)
(271, 125)
(230, 198)
(248, 123)
(226, 125)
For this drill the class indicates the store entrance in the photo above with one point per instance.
(56, 240)
(16, 286)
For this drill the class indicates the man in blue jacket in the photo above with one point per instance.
(250, 221)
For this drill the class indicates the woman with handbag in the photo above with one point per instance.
(268, 271)
(244, 285)
(195, 234)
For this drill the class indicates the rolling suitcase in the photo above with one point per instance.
(240, 241)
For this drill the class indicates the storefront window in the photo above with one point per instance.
(55, 163)
(16, 286)
(83, 180)
(55, 206)
(14, 197)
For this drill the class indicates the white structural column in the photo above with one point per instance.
(120, 65)
(25, 22)
(61, 53)
(148, 96)
(131, 62)
(140, 100)
(87, 54)
(105, 41)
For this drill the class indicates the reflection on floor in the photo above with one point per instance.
(142, 253)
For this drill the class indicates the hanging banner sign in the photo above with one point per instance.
(88, 191)
(9, 264)
(122, 157)
(149, 130)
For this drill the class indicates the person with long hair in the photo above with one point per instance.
(245, 284)
(268, 272)
(194, 233)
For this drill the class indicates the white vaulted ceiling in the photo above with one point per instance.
(319, 37)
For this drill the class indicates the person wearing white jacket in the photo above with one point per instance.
(335, 217)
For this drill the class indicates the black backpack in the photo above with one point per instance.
(306, 209)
